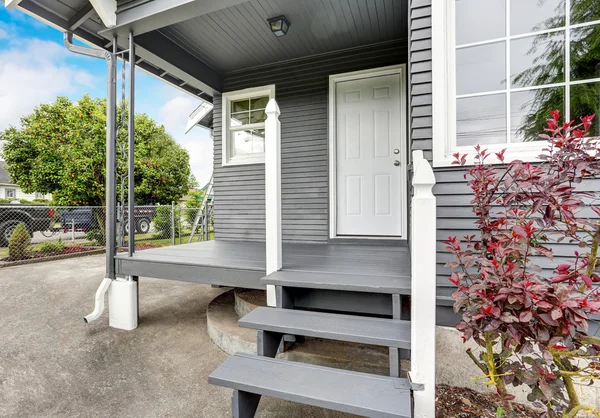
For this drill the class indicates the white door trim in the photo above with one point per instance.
(357, 75)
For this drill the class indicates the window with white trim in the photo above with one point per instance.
(10, 193)
(509, 63)
(244, 119)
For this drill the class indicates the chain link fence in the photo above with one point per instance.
(33, 233)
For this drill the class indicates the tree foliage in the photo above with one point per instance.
(60, 149)
(18, 245)
(549, 67)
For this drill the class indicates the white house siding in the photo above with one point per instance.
(19, 193)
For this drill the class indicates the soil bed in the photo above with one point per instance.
(452, 402)
(44, 254)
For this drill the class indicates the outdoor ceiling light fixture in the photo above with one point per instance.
(279, 25)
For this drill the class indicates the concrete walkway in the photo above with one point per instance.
(54, 365)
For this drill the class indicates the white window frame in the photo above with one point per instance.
(444, 88)
(227, 158)
(10, 189)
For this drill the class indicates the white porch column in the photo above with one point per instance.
(423, 288)
(273, 193)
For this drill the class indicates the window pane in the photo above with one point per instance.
(238, 119)
(585, 11)
(259, 103)
(535, 15)
(529, 111)
(248, 142)
(585, 53)
(480, 20)
(481, 68)
(538, 60)
(240, 105)
(258, 116)
(585, 100)
(481, 120)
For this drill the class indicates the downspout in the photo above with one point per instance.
(110, 166)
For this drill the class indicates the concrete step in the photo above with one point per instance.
(246, 300)
(223, 329)
(343, 282)
(376, 331)
(340, 390)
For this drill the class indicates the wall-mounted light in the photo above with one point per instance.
(279, 25)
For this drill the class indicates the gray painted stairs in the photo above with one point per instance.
(340, 390)
(356, 329)
(347, 282)
(358, 393)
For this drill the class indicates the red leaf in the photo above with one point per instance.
(525, 316)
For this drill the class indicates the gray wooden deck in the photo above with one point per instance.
(242, 263)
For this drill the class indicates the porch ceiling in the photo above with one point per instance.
(191, 44)
(238, 37)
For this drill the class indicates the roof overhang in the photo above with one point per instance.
(155, 54)
(145, 16)
(202, 116)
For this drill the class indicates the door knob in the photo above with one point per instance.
(396, 151)
(396, 163)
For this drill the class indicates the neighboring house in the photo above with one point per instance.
(10, 190)
(365, 89)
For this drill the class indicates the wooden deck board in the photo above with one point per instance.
(242, 263)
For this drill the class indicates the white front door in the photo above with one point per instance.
(370, 156)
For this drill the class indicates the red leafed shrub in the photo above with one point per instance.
(532, 325)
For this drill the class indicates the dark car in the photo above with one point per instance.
(86, 218)
(35, 217)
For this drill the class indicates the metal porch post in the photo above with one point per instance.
(131, 147)
(111, 161)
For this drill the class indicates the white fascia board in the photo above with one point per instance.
(107, 10)
(198, 114)
(157, 14)
(11, 4)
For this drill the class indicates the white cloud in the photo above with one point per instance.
(3, 34)
(32, 72)
(174, 115)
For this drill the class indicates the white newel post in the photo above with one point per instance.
(423, 306)
(273, 193)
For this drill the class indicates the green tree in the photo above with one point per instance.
(60, 149)
(549, 67)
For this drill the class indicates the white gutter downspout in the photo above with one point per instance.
(99, 301)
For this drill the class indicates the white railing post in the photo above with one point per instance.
(423, 292)
(273, 193)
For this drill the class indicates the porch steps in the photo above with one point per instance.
(340, 282)
(358, 393)
(357, 329)
(339, 306)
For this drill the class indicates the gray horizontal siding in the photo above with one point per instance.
(302, 94)
(455, 218)
(421, 119)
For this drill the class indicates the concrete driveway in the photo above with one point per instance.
(54, 365)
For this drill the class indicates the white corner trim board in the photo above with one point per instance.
(423, 286)
(11, 4)
(273, 232)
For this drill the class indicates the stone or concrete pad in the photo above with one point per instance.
(54, 365)
(246, 300)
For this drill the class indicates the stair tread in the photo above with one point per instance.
(340, 390)
(365, 330)
(332, 281)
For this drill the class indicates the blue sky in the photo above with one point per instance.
(35, 67)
